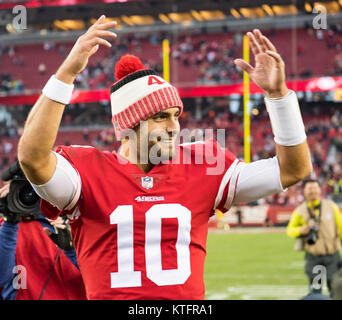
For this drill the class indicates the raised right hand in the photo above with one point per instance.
(85, 46)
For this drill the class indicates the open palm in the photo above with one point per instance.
(87, 45)
(269, 70)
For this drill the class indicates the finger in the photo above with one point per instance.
(268, 44)
(59, 220)
(100, 20)
(105, 33)
(258, 36)
(59, 226)
(98, 33)
(276, 56)
(94, 50)
(100, 41)
(4, 191)
(58, 223)
(4, 194)
(106, 25)
(253, 43)
(242, 64)
(5, 187)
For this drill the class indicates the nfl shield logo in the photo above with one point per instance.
(147, 182)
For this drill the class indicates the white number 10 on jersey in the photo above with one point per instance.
(122, 216)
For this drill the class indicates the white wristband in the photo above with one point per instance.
(58, 91)
(286, 120)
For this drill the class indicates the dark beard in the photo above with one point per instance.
(161, 154)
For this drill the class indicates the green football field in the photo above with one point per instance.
(254, 266)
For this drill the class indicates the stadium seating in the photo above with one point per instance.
(298, 55)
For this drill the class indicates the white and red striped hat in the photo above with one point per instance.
(138, 94)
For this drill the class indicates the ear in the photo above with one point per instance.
(124, 140)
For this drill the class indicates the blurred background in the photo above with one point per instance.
(204, 39)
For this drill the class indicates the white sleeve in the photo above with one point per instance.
(258, 179)
(64, 188)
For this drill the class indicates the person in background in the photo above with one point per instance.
(37, 259)
(318, 223)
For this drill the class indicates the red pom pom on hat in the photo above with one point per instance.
(126, 65)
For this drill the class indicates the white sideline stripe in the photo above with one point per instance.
(191, 143)
(79, 146)
(232, 185)
(224, 182)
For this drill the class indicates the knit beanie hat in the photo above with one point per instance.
(138, 94)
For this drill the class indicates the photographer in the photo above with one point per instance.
(317, 225)
(37, 257)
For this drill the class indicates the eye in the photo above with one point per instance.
(160, 116)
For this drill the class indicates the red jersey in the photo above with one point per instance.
(143, 236)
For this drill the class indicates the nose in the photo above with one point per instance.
(172, 125)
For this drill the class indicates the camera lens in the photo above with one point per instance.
(312, 237)
(27, 196)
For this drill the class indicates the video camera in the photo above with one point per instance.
(21, 201)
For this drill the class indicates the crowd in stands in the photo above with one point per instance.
(214, 59)
(98, 74)
(9, 85)
(202, 57)
(325, 141)
(332, 37)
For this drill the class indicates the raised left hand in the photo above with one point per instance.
(269, 70)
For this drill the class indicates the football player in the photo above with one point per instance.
(139, 216)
